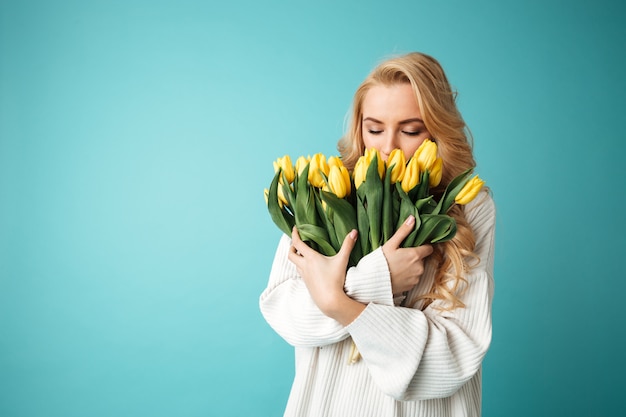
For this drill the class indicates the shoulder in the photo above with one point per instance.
(481, 212)
(481, 215)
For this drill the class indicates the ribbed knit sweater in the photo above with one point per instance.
(416, 361)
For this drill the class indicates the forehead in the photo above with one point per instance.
(391, 102)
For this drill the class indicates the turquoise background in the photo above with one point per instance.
(136, 138)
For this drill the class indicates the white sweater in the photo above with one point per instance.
(415, 361)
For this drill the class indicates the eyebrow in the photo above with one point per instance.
(403, 122)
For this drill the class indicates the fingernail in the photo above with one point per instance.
(353, 234)
(410, 220)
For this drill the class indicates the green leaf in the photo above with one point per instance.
(387, 206)
(312, 233)
(327, 222)
(304, 208)
(452, 190)
(435, 228)
(363, 226)
(426, 205)
(407, 208)
(280, 217)
(344, 220)
(372, 189)
(288, 191)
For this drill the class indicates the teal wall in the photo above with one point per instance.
(136, 138)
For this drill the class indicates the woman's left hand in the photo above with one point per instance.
(324, 277)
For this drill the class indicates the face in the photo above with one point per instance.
(392, 119)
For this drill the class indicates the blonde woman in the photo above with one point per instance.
(420, 318)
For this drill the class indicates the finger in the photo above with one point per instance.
(401, 234)
(424, 251)
(297, 242)
(348, 244)
(294, 257)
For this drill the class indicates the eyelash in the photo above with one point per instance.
(376, 132)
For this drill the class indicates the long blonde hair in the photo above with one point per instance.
(437, 103)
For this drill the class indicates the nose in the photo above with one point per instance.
(389, 143)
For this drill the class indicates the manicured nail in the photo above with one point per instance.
(353, 234)
(410, 220)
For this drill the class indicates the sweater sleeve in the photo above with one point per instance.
(289, 309)
(416, 355)
(370, 281)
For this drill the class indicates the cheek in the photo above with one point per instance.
(368, 142)
(409, 147)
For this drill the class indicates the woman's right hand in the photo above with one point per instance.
(406, 265)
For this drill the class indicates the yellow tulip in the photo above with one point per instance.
(435, 173)
(346, 179)
(360, 171)
(369, 155)
(317, 166)
(411, 175)
(469, 191)
(397, 172)
(266, 194)
(335, 161)
(282, 201)
(426, 154)
(284, 163)
(337, 183)
(301, 163)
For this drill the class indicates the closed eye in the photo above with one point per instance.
(416, 133)
(374, 132)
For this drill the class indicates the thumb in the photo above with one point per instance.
(401, 234)
(348, 244)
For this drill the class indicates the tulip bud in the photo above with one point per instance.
(469, 191)
(284, 163)
(346, 179)
(396, 158)
(336, 182)
(435, 172)
(318, 165)
(369, 155)
(426, 154)
(411, 176)
(282, 201)
(334, 161)
(301, 163)
(360, 171)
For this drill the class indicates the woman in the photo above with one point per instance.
(419, 317)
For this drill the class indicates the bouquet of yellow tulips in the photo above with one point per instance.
(321, 198)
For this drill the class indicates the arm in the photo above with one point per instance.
(413, 354)
(310, 297)
(288, 308)
(382, 276)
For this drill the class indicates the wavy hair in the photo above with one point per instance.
(437, 103)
